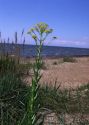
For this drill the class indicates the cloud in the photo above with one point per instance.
(83, 43)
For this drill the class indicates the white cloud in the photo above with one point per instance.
(83, 43)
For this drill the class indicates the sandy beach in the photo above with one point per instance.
(66, 74)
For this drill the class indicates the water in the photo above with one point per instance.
(30, 50)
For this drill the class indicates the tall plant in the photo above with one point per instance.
(39, 33)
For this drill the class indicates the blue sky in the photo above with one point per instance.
(68, 18)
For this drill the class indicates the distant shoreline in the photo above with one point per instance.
(56, 57)
(45, 45)
(29, 51)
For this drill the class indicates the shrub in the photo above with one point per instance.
(69, 59)
(55, 63)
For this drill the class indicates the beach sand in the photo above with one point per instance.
(66, 74)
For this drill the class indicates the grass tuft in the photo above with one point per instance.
(69, 59)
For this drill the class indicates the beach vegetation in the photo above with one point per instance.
(23, 104)
(69, 59)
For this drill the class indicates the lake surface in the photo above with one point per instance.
(30, 50)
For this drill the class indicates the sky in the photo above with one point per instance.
(68, 18)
